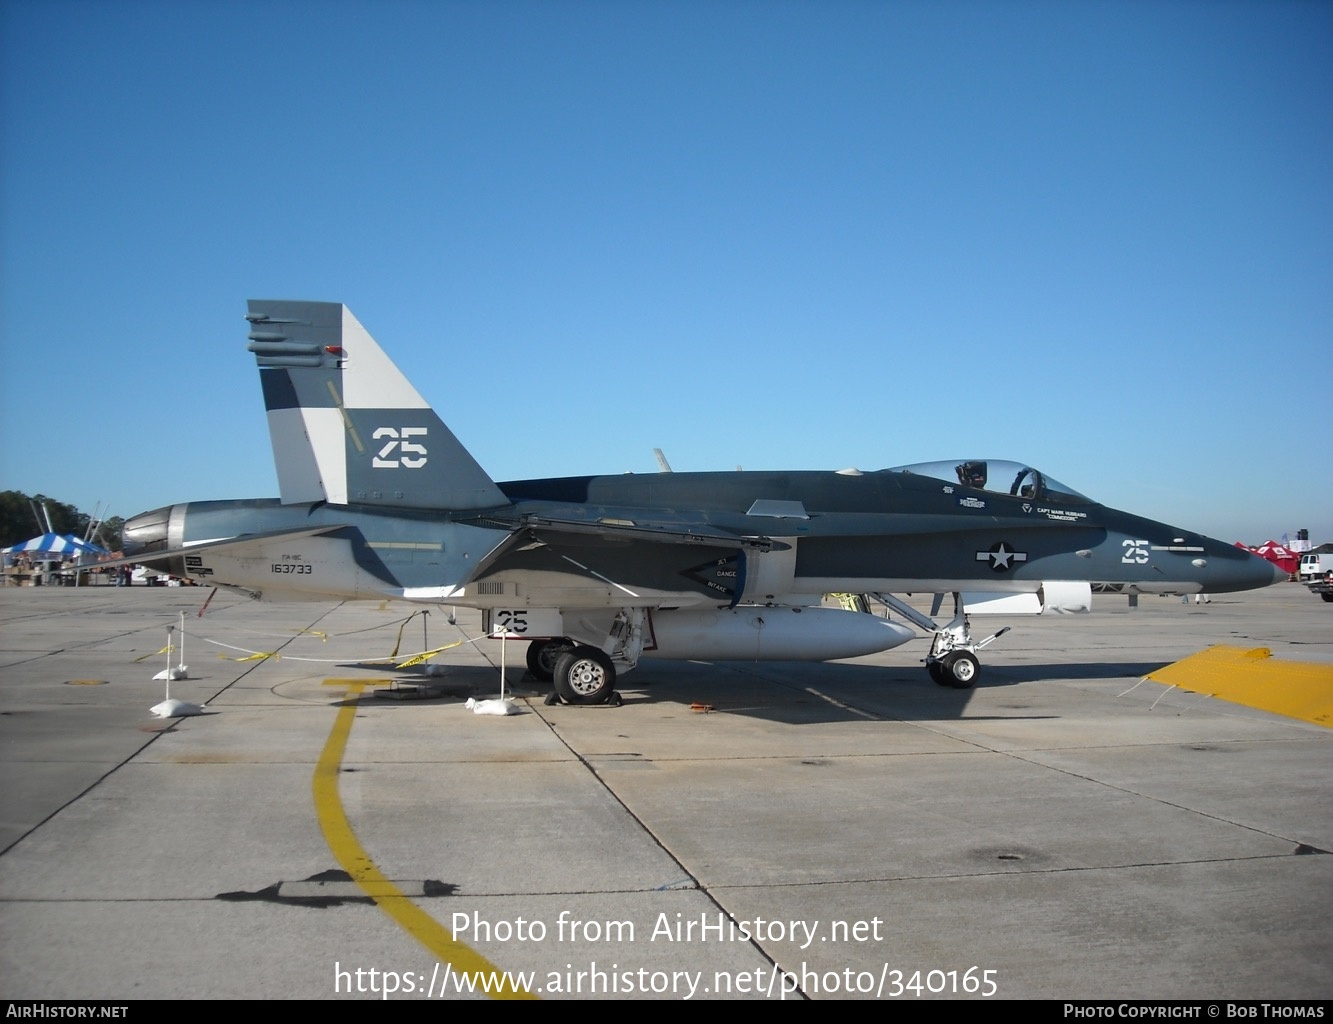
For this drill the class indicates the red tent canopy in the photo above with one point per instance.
(1284, 558)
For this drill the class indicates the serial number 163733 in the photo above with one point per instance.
(299, 568)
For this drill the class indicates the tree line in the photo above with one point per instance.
(19, 523)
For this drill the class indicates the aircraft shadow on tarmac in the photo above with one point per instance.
(791, 693)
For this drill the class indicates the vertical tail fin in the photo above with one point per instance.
(346, 425)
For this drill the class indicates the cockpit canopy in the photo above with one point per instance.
(998, 476)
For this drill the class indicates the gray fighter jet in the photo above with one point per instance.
(380, 500)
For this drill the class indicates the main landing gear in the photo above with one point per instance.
(952, 660)
(543, 654)
(581, 674)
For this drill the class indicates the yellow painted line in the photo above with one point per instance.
(353, 859)
(1253, 677)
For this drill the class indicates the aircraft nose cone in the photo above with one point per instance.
(1260, 572)
(1231, 567)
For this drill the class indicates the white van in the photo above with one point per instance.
(1313, 565)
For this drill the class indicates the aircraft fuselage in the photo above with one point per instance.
(831, 532)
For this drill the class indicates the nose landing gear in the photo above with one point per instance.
(952, 660)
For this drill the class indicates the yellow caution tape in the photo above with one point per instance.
(257, 656)
(169, 649)
(425, 656)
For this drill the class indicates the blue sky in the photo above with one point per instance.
(1095, 237)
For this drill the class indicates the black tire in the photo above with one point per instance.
(936, 670)
(1327, 597)
(542, 656)
(961, 670)
(584, 675)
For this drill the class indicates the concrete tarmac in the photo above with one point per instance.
(824, 830)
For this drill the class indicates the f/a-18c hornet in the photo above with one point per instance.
(380, 500)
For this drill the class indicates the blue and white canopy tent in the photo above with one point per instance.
(51, 545)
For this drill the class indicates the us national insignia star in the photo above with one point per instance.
(1001, 557)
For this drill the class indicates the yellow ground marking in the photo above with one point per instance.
(353, 859)
(1298, 689)
(85, 682)
(358, 682)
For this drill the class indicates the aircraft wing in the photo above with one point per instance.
(636, 529)
(648, 562)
